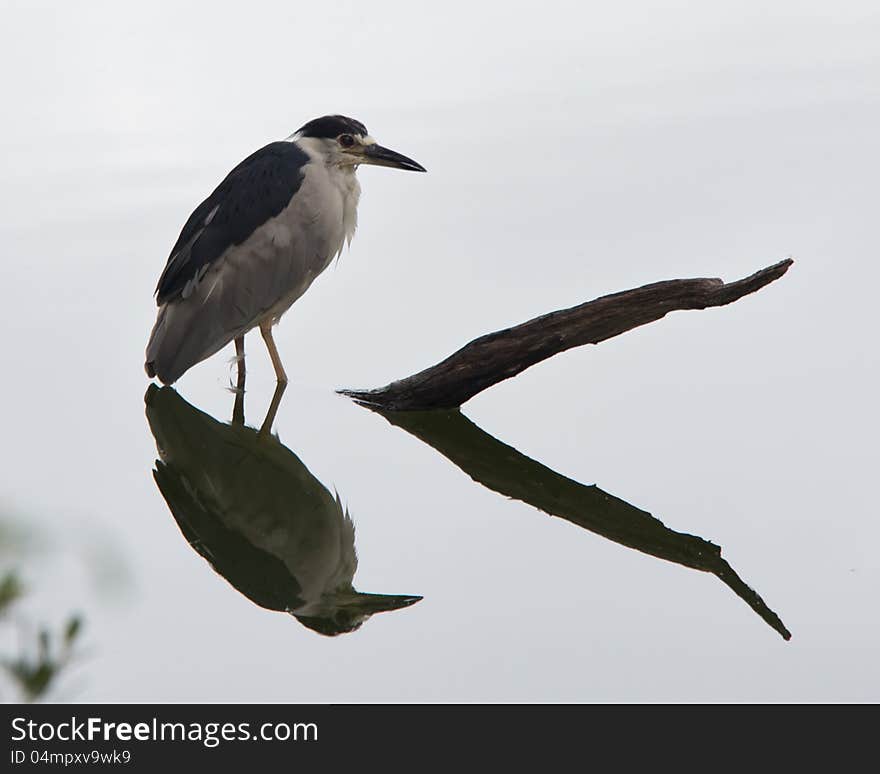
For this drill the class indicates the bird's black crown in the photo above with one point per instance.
(332, 126)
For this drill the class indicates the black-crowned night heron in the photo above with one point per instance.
(256, 244)
(249, 505)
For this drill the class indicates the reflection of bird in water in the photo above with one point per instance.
(249, 506)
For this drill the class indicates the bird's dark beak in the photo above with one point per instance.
(383, 157)
(370, 604)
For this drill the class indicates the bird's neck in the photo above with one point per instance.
(342, 177)
(345, 180)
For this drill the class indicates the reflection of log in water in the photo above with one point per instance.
(503, 469)
(500, 355)
(249, 506)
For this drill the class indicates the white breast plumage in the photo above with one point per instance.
(313, 230)
(351, 194)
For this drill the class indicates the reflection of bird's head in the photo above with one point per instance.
(254, 511)
(345, 611)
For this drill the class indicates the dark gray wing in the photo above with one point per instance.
(257, 189)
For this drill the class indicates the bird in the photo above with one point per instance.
(257, 243)
(249, 506)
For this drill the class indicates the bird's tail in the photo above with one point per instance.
(179, 341)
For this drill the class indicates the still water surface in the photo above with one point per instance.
(558, 539)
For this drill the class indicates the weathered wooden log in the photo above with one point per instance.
(497, 356)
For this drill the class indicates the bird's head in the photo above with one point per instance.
(346, 610)
(344, 142)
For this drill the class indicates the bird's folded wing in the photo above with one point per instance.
(258, 189)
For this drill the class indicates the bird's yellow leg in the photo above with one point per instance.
(266, 330)
(239, 358)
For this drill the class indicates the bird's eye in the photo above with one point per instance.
(346, 140)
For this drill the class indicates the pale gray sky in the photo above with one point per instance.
(573, 149)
